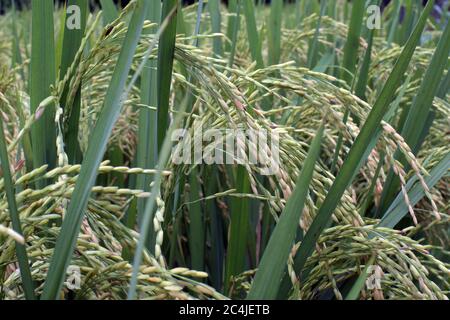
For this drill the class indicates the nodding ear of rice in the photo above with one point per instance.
(10, 232)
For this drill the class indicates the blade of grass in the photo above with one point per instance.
(214, 12)
(363, 77)
(236, 25)
(351, 47)
(16, 56)
(444, 87)
(350, 61)
(237, 243)
(22, 257)
(198, 22)
(111, 109)
(252, 33)
(196, 224)
(43, 75)
(394, 22)
(274, 31)
(358, 151)
(147, 135)
(232, 21)
(165, 65)
(313, 50)
(270, 271)
(110, 12)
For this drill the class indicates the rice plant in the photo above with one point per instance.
(290, 150)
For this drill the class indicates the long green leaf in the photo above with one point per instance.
(165, 66)
(273, 263)
(196, 225)
(43, 75)
(237, 242)
(214, 12)
(111, 109)
(352, 43)
(147, 133)
(234, 34)
(393, 27)
(110, 12)
(275, 20)
(22, 257)
(232, 20)
(350, 61)
(313, 50)
(252, 33)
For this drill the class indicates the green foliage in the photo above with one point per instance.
(357, 117)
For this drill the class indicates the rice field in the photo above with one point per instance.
(243, 150)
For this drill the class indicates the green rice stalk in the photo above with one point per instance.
(238, 234)
(272, 266)
(110, 12)
(22, 257)
(252, 33)
(165, 67)
(43, 75)
(274, 31)
(147, 134)
(214, 12)
(313, 51)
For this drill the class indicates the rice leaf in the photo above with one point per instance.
(237, 242)
(22, 256)
(313, 50)
(110, 12)
(274, 30)
(43, 75)
(165, 66)
(214, 12)
(399, 208)
(196, 225)
(233, 6)
(147, 133)
(273, 263)
(252, 33)
(350, 59)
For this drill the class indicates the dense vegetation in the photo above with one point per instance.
(90, 190)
